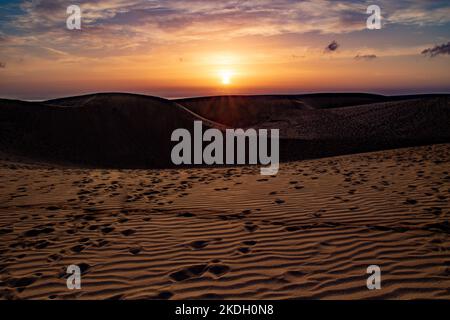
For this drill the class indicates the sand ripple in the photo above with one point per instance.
(309, 232)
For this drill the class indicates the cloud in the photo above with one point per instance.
(365, 57)
(333, 46)
(442, 49)
(115, 27)
(420, 14)
(230, 18)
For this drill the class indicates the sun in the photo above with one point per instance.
(226, 76)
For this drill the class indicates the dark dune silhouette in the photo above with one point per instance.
(127, 130)
(112, 130)
(327, 124)
(242, 111)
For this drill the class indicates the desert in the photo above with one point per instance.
(372, 192)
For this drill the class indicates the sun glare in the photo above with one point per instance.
(225, 76)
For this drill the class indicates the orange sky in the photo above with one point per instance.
(176, 48)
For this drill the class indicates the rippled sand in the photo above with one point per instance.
(309, 232)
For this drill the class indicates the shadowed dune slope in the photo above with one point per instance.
(127, 130)
(365, 128)
(406, 119)
(117, 130)
(245, 111)
(321, 125)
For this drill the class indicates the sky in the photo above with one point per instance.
(181, 48)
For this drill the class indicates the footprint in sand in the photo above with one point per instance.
(54, 257)
(5, 231)
(36, 231)
(186, 215)
(102, 243)
(135, 250)
(218, 269)
(84, 267)
(434, 210)
(20, 283)
(164, 295)
(128, 232)
(190, 272)
(42, 244)
(107, 229)
(200, 244)
(244, 250)
(53, 208)
(410, 201)
(78, 248)
(250, 227)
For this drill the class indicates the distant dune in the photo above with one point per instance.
(126, 130)
(242, 111)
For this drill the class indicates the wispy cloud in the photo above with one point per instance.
(365, 56)
(153, 21)
(443, 49)
(420, 13)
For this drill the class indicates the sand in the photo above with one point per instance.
(117, 130)
(228, 233)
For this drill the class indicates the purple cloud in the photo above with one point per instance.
(437, 50)
(333, 46)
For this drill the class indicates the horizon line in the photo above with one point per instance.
(182, 97)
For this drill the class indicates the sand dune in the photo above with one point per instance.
(309, 232)
(319, 125)
(129, 131)
(245, 111)
(112, 130)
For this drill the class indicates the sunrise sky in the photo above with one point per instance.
(179, 48)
